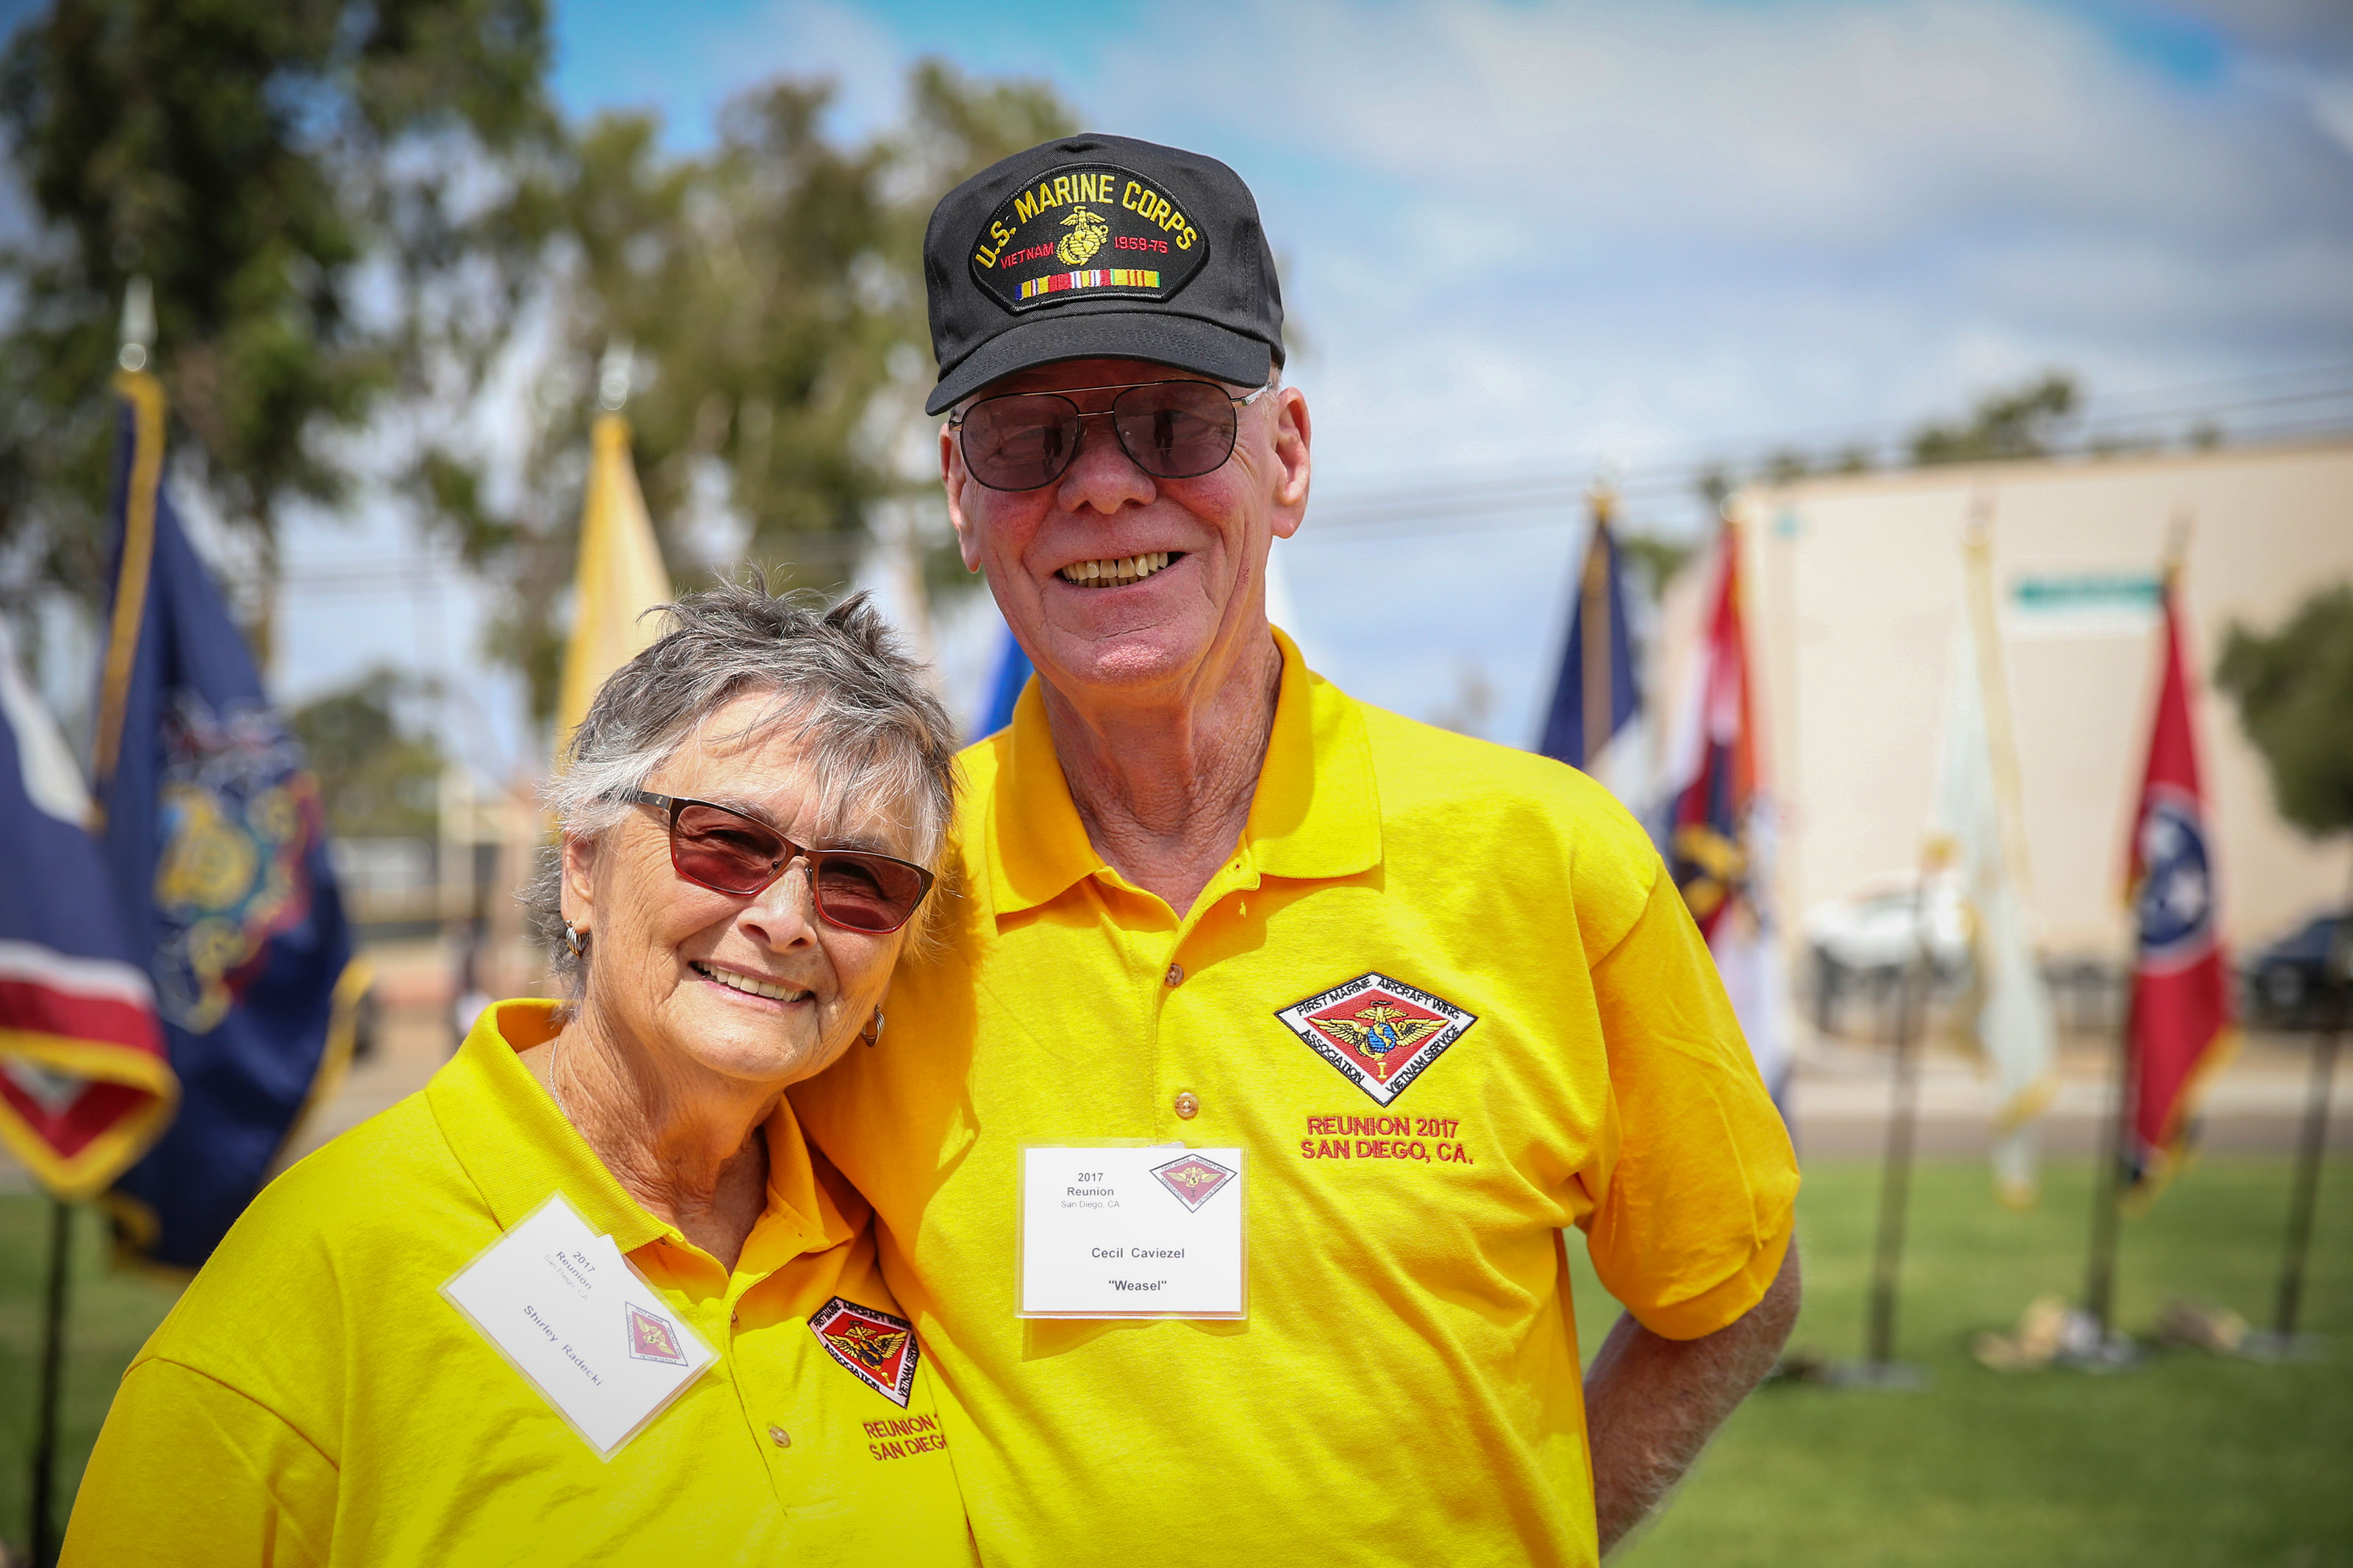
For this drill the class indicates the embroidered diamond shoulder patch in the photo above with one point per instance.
(653, 1337)
(1193, 1179)
(1379, 1034)
(878, 1349)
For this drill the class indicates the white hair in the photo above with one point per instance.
(870, 729)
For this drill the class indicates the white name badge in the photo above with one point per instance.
(581, 1324)
(1133, 1233)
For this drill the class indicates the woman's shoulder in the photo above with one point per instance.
(385, 1202)
(392, 1173)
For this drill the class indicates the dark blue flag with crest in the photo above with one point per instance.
(1596, 695)
(216, 845)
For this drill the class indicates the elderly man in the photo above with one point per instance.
(1410, 1001)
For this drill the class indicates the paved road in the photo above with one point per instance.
(1841, 1101)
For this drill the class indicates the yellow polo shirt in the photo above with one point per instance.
(1406, 1386)
(312, 1399)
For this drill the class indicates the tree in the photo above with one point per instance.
(770, 294)
(2005, 425)
(379, 774)
(302, 181)
(2294, 692)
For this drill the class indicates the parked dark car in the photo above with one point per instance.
(2287, 981)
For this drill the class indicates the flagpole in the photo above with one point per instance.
(1879, 1366)
(2107, 1203)
(53, 1340)
(2336, 980)
(2107, 1208)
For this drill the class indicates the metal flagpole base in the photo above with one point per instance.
(2264, 1344)
(1885, 1376)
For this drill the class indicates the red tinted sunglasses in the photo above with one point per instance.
(731, 853)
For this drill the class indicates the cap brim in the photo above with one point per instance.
(1184, 342)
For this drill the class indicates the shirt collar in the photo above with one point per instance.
(518, 1148)
(1316, 813)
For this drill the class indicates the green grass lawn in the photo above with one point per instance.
(113, 1311)
(2192, 1459)
(2189, 1460)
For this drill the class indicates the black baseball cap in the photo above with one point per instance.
(1098, 247)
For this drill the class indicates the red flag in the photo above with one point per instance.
(1715, 770)
(1719, 828)
(2180, 1026)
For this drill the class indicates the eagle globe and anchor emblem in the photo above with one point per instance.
(1089, 233)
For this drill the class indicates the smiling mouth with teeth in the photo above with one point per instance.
(1119, 571)
(748, 986)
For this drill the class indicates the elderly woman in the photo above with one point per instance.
(421, 1344)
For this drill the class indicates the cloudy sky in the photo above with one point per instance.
(1564, 238)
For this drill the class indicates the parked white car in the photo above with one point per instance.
(1886, 922)
(1861, 944)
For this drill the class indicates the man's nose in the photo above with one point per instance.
(1103, 476)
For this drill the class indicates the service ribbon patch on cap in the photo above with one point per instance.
(1085, 231)
(876, 1348)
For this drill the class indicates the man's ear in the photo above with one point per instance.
(578, 895)
(1293, 435)
(954, 478)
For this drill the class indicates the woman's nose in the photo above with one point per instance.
(785, 912)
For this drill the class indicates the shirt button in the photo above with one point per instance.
(1189, 1104)
(780, 1437)
(1176, 975)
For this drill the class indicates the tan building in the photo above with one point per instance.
(1855, 584)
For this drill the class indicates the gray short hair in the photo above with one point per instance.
(875, 732)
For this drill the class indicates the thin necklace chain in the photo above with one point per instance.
(555, 1082)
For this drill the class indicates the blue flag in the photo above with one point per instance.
(215, 845)
(1595, 696)
(1013, 673)
(83, 1087)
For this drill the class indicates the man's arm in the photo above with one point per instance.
(1652, 1403)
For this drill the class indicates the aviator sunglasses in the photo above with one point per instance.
(731, 853)
(1170, 429)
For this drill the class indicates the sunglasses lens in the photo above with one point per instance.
(722, 851)
(1176, 429)
(866, 892)
(1020, 442)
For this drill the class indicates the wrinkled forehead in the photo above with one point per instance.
(769, 756)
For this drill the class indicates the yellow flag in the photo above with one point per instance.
(621, 577)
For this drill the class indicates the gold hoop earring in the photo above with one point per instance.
(872, 1033)
(575, 939)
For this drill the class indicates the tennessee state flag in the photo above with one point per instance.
(83, 1086)
(2180, 1024)
(216, 847)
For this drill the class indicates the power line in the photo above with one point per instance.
(1405, 504)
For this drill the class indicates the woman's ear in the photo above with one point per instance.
(578, 898)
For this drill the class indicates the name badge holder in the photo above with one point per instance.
(1132, 1230)
(580, 1323)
